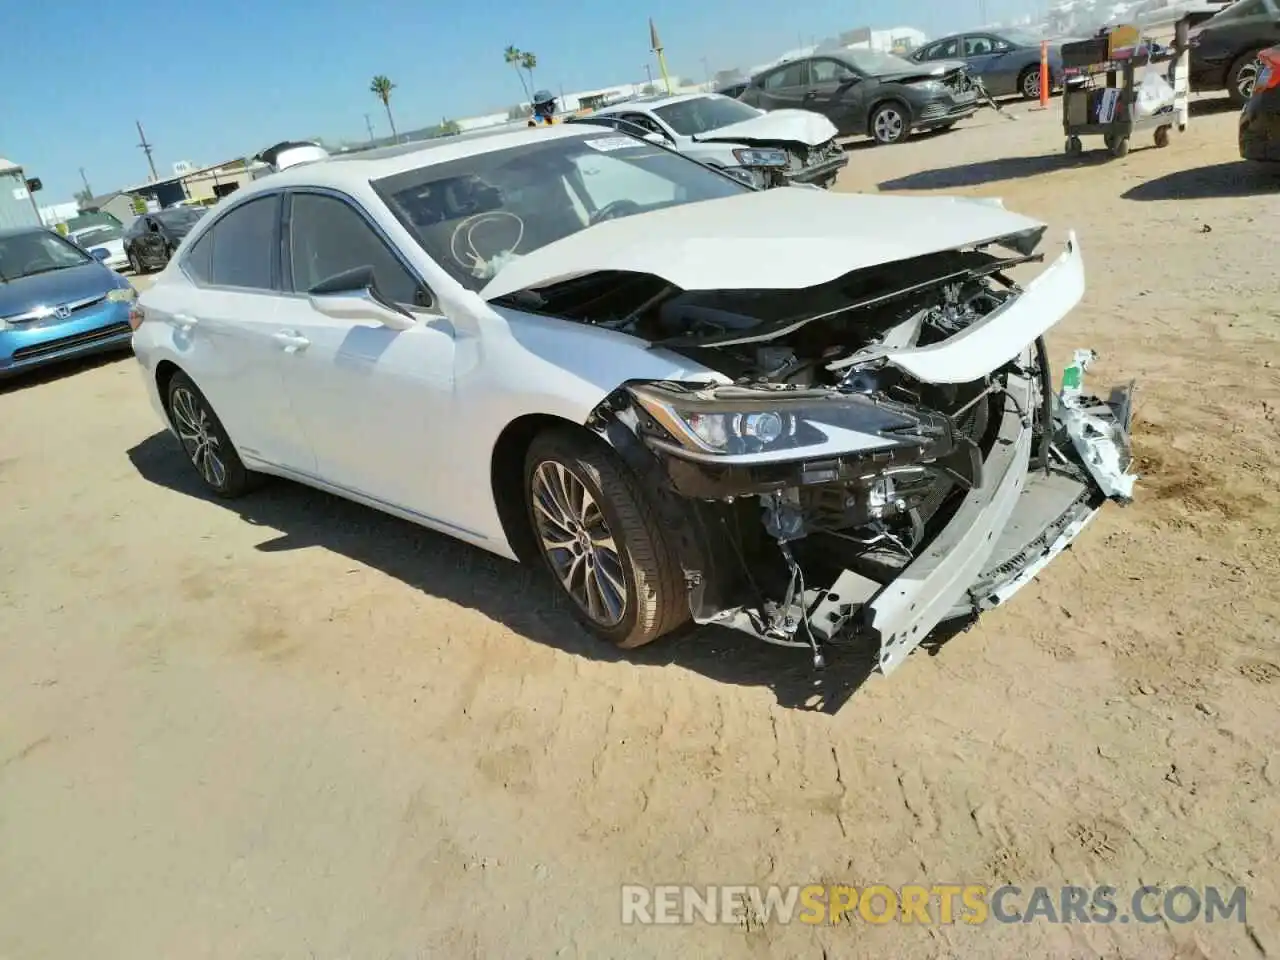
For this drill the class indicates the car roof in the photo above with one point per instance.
(348, 169)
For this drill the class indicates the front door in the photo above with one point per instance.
(375, 403)
(838, 94)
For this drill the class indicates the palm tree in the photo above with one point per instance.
(515, 58)
(529, 61)
(381, 88)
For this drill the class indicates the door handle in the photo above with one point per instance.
(184, 321)
(810, 94)
(291, 341)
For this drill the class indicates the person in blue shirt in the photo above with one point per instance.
(544, 108)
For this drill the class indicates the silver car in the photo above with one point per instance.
(1007, 61)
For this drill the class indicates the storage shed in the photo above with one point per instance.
(17, 206)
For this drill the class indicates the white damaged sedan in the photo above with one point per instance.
(765, 149)
(813, 417)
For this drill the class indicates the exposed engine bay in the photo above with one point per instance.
(838, 496)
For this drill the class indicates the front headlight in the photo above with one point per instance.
(728, 424)
(760, 157)
(122, 295)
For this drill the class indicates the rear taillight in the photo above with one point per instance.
(136, 316)
(1268, 70)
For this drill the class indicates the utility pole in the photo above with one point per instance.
(368, 124)
(85, 180)
(706, 71)
(146, 148)
(648, 72)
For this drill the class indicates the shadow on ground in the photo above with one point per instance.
(990, 171)
(519, 597)
(59, 370)
(1239, 178)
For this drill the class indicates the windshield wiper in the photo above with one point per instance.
(63, 266)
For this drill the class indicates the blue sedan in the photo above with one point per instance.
(56, 301)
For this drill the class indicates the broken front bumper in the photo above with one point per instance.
(819, 173)
(1002, 534)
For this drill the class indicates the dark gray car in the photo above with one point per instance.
(868, 92)
(1007, 61)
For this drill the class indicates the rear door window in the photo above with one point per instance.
(245, 246)
(792, 75)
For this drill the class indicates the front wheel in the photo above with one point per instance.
(135, 264)
(205, 440)
(598, 531)
(1029, 84)
(889, 123)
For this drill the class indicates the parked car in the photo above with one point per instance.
(1006, 61)
(766, 149)
(1260, 118)
(106, 237)
(150, 240)
(56, 301)
(1225, 48)
(868, 92)
(802, 414)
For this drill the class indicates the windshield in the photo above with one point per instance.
(89, 236)
(99, 219)
(704, 114)
(875, 63)
(180, 220)
(473, 215)
(26, 254)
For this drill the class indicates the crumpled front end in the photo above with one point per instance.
(888, 453)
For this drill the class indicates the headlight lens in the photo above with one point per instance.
(122, 295)
(727, 423)
(758, 157)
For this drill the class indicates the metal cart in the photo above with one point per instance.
(1119, 56)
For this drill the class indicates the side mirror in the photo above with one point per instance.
(656, 138)
(354, 295)
(100, 254)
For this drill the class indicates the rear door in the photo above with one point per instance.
(375, 403)
(224, 319)
(783, 88)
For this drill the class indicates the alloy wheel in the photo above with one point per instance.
(193, 423)
(578, 543)
(888, 125)
(1246, 78)
(1031, 85)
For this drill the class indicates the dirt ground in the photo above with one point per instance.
(291, 727)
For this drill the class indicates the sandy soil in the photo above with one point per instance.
(291, 727)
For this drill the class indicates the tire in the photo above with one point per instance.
(135, 264)
(631, 595)
(205, 440)
(1029, 83)
(890, 123)
(1120, 147)
(1241, 76)
(1162, 137)
(1074, 147)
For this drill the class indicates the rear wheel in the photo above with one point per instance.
(205, 440)
(889, 123)
(598, 531)
(1242, 76)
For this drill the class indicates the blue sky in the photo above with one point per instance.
(210, 81)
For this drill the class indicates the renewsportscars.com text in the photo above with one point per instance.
(973, 904)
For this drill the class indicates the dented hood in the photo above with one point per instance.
(799, 126)
(787, 238)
